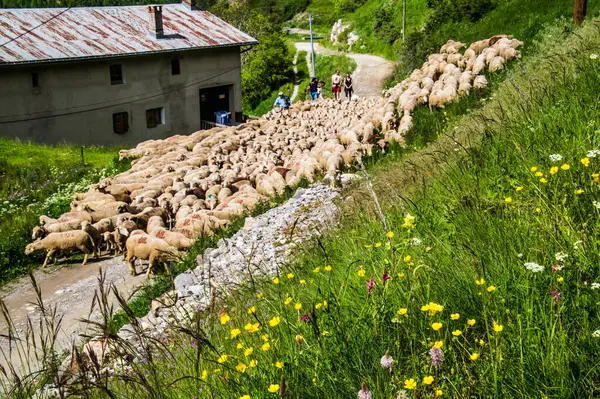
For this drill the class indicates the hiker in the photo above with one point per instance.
(348, 89)
(336, 85)
(281, 102)
(320, 89)
(313, 89)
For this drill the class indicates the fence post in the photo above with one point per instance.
(579, 11)
(82, 160)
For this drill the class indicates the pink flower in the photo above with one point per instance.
(363, 393)
(370, 284)
(437, 357)
(385, 277)
(305, 318)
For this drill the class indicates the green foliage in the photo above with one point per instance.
(347, 6)
(326, 65)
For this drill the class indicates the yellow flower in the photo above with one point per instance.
(432, 308)
(298, 306)
(401, 275)
(252, 310)
(439, 392)
(533, 169)
(274, 321)
(585, 162)
(241, 367)
(276, 280)
(565, 166)
(428, 380)
(260, 295)
(480, 282)
(595, 177)
(554, 170)
(579, 191)
(239, 345)
(438, 344)
(538, 210)
(253, 363)
(481, 342)
(318, 306)
(235, 332)
(474, 356)
(265, 337)
(497, 327)
(360, 272)
(560, 280)
(539, 174)
(303, 282)
(520, 188)
(436, 326)
(543, 180)
(410, 384)
(288, 300)
(316, 270)
(407, 259)
(222, 359)
(225, 318)
(455, 316)
(390, 234)
(299, 338)
(324, 303)
(290, 276)
(368, 246)
(409, 221)
(377, 244)
(279, 364)
(274, 388)
(508, 199)
(471, 322)
(266, 347)
(248, 352)
(456, 333)
(252, 327)
(402, 311)
(245, 397)
(204, 374)
(324, 333)
(491, 288)
(327, 268)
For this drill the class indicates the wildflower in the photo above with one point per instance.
(298, 306)
(276, 280)
(579, 191)
(288, 300)
(594, 56)
(377, 244)
(259, 295)
(274, 388)
(554, 170)
(360, 272)
(248, 352)
(543, 180)
(265, 337)
(538, 210)
(596, 204)
(593, 153)
(390, 234)
(402, 311)
(428, 380)
(364, 393)
(437, 357)
(253, 363)
(576, 244)
(239, 345)
(303, 283)
(565, 166)
(407, 259)
(533, 169)
(415, 241)
(555, 295)
(471, 322)
(561, 256)
(368, 246)
(318, 306)
(596, 334)
(491, 288)
(327, 268)
(439, 392)
(266, 347)
(402, 395)
(534, 267)
(497, 327)
(595, 177)
(305, 318)
(252, 310)
(401, 275)
(279, 364)
(324, 303)
(560, 280)
(235, 332)
(299, 338)
(245, 397)
(595, 286)
(585, 162)
(456, 333)
(508, 200)
(252, 327)
(290, 276)
(274, 321)
(225, 318)
(474, 356)
(436, 326)
(480, 282)
(370, 285)
(555, 157)
(520, 188)
(539, 174)
(438, 344)
(316, 270)
(481, 342)
(222, 359)
(455, 316)
(410, 383)
(432, 308)
(387, 361)
(241, 367)
(385, 277)
(409, 222)
(204, 374)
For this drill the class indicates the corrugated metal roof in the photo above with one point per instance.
(90, 32)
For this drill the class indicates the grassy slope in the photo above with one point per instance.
(457, 190)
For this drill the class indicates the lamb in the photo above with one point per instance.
(67, 241)
(97, 236)
(142, 246)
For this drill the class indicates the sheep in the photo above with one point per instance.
(142, 246)
(67, 241)
(480, 82)
(173, 238)
(59, 227)
(96, 235)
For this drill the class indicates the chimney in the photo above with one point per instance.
(190, 4)
(156, 25)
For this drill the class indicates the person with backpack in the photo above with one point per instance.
(313, 89)
(348, 89)
(282, 102)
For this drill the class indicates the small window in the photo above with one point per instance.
(155, 117)
(121, 122)
(175, 68)
(116, 75)
(35, 80)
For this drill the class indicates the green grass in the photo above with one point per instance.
(326, 65)
(459, 242)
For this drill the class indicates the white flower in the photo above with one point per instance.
(576, 244)
(561, 256)
(596, 204)
(596, 334)
(555, 157)
(595, 286)
(593, 153)
(519, 255)
(594, 56)
(387, 361)
(534, 267)
(415, 241)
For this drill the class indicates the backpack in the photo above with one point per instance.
(287, 101)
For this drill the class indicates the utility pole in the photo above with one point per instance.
(579, 11)
(312, 46)
(403, 21)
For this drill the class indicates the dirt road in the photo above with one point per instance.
(369, 76)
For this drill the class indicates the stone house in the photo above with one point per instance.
(116, 75)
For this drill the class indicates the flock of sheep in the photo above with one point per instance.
(186, 186)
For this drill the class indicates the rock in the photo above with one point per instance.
(185, 279)
(166, 300)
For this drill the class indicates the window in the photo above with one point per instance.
(116, 75)
(121, 122)
(35, 82)
(175, 68)
(155, 117)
